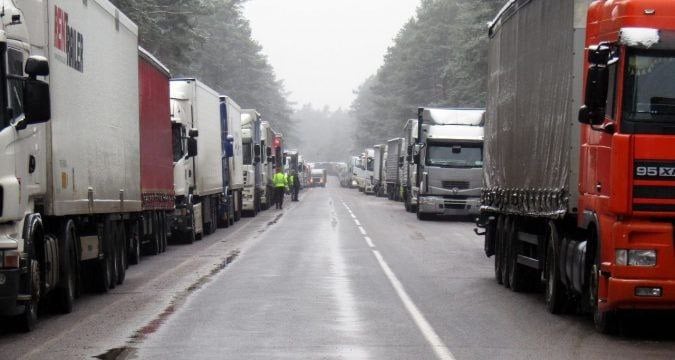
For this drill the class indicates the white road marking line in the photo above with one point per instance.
(369, 241)
(362, 230)
(353, 216)
(442, 352)
(357, 222)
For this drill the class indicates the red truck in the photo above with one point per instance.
(157, 192)
(579, 174)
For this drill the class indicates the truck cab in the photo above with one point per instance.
(449, 158)
(627, 170)
(252, 168)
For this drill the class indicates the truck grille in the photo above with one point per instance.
(652, 193)
(460, 185)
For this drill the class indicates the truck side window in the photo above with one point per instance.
(15, 81)
(611, 91)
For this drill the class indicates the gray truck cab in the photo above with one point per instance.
(449, 158)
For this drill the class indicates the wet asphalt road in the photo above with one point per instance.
(339, 275)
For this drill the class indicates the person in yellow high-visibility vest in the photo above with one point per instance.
(280, 186)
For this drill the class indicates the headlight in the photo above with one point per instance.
(636, 257)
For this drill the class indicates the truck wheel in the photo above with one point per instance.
(107, 273)
(239, 202)
(163, 230)
(606, 322)
(421, 215)
(499, 230)
(554, 294)
(68, 288)
(134, 243)
(506, 250)
(28, 318)
(517, 272)
(154, 235)
(121, 253)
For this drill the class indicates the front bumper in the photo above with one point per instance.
(448, 206)
(9, 291)
(621, 294)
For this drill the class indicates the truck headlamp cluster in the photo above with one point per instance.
(626, 257)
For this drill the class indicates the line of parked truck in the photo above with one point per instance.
(105, 156)
(434, 169)
(578, 162)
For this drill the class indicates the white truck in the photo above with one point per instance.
(267, 162)
(409, 169)
(252, 170)
(379, 152)
(369, 171)
(70, 165)
(198, 181)
(449, 160)
(232, 160)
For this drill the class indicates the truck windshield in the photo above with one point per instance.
(455, 155)
(371, 164)
(650, 88)
(177, 141)
(15, 83)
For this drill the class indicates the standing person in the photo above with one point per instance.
(280, 186)
(294, 183)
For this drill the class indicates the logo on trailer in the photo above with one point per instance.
(68, 40)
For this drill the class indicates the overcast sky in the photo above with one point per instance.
(324, 49)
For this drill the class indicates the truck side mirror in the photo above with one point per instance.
(597, 84)
(284, 158)
(37, 106)
(272, 160)
(268, 151)
(37, 66)
(256, 150)
(410, 150)
(401, 160)
(193, 133)
(191, 147)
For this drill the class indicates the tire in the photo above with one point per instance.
(422, 216)
(506, 250)
(122, 264)
(135, 243)
(103, 279)
(499, 230)
(517, 272)
(163, 230)
(606, 322)
(27, 320)
(554, 292)
(67, 290)
(406, 203)
(154, 246)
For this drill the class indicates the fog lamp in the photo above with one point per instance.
(648, 291)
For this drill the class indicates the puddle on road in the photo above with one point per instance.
(128, 351)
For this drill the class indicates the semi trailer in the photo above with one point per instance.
(448, 156)
(579, 194)
(393, 166)
(378, 169)
(151, 231)
(70, 173)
